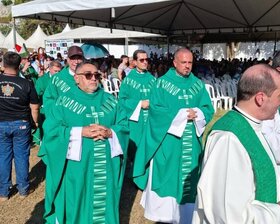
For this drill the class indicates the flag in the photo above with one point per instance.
(22, 51)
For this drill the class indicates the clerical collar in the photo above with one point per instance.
(71, 72)
(249, 117)
(181, 76)
(140, 72)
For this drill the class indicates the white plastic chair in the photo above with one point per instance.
(227, 101)
(117, 84)
(107, 85)
(216, 101)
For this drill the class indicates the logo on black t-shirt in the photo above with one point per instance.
(7, 90)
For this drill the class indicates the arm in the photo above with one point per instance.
(35, 113)
(226, 189)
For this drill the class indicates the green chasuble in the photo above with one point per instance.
(86, 191)
(60, 83)
(136, 87)
(41, 85)
(176, 161)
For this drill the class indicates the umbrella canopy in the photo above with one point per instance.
(94, 50)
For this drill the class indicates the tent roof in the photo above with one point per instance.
(8, 42)
(89, 32)
(66, 28)
(37, 39)
(169, 17)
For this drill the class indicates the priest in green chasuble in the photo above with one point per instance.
(134, 97)
(167, 161)
(63, 81)
(84, 149)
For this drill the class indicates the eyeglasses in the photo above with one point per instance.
(144, 59)
(89, 75)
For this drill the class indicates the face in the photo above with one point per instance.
(141, 62)
(74, 61)
(272, 103)
(183, 62)
(125, 60)
(86, 79)
(54, 69)
(131, 62)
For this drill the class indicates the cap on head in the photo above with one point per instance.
(75, 51)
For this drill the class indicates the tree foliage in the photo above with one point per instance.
(26, 27)
(7, 2)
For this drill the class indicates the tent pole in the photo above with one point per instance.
(14, 32)
(167, 47)
(126, 46)
(275, 43)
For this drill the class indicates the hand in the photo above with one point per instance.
(96, 131)
(192, 114)
(26, 66)
(145, 104)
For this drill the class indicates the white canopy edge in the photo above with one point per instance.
(88, 32)
(51, 6)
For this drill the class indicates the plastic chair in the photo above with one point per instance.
(216, 101)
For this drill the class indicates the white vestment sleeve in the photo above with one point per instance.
(115, 145)
(75, 144)
(271, 131)
(199, 122)
(226, 189)
(136, 112)
(179, 123)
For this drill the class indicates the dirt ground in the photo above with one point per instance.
(30, 210)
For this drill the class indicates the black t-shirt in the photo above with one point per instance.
(16, 95)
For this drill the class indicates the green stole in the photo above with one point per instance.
(264, 172)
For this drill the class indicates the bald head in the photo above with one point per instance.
(258, 78)
(183, 61)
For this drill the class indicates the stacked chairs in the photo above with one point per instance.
(112, 88)
(216, 101)
(117, 84)
(222, 91)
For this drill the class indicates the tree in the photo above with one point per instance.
(7, 2)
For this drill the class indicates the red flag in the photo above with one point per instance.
(18, 48)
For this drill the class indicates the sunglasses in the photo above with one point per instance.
(144, 59)
(89, 75)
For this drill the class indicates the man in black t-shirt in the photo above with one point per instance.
(18, 106)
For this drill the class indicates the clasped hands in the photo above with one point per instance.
(96, 131)
(145, 104)
(192, 114)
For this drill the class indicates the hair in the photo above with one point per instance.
(55, 63)
(257, 78)
(12, 60)
(179, 50)
(80, 65)
(276, 60)
(135, 54)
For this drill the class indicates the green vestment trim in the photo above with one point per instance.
(264, 172)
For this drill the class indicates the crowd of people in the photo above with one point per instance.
(154, 127)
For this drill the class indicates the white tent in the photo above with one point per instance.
(88, 32)
(9, 43)
(66, 29)
(37, 39)
(174, 18)
(2, 37)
